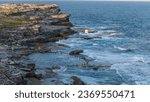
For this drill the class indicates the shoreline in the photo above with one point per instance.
(25, 29)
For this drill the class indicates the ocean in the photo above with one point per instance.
(124, 28)
(128, 50)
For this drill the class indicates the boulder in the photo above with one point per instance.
(76, 52)
(77, 81)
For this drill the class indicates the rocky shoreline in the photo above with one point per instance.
(25, 29)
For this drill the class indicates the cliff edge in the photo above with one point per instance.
(24, 29)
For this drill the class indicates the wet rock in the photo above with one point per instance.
(63, 45)
(30, 74)
(90, 37)
(38, 76)
(54, 39)
(76, 52)
(55, 67)
(31, 66)
(87, 38)
(77, 81)
(34, 81)
(65, 24)
(26, 69)
(49, 73)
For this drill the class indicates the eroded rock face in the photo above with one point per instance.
(29, 20)
(76, 52)
(24, 29)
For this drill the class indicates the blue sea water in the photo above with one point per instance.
(127, 50)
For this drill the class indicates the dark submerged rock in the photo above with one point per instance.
(77, 81)
(76, 52)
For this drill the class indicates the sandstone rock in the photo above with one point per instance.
(14, 8)
(60, 16)
(36, 28)
(34, 18)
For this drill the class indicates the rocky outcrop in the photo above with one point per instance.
(77, 81)
(24, 29)
(76, 52)
(14, 8)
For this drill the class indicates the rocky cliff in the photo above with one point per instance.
(24, 29)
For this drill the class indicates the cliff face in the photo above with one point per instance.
(26, 28)
(30, 19)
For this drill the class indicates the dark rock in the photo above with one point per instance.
(87, 38)
(38, 76)
(31, 66)
(77, 81)
(26, 69)
(30, 74)
(76, 52)
(55, 67)
(63, 45)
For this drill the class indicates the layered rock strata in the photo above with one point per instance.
(24, 29)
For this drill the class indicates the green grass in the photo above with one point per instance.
(11, 22)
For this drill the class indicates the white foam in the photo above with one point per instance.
(95, 44)
(108, 56)
(102, 27)
(139, 59)
(72, 42)
(135, 72)
(120, 48)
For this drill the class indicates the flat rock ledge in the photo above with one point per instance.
(25, 29)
